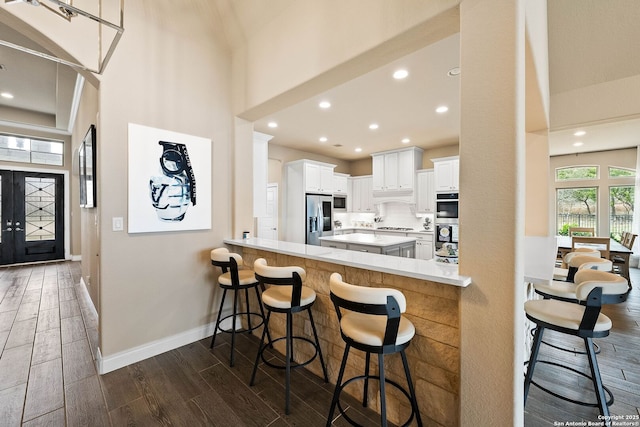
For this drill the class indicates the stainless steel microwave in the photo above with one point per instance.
(339, 203)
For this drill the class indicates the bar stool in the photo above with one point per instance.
(287, 295)
(233, 278)
(583, 320)
(560, 273)
(372, 323)
(566, 290)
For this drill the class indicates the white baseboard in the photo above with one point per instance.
(76, 257)
(145, 351)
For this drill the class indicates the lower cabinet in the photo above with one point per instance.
(407, 250)
(424, 245)
(337, 245)
(365, 248)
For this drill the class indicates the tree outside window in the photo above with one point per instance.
(576, 207)
(621, 200)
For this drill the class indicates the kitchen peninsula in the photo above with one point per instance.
(433, 292)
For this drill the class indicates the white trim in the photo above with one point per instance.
(136, 354)
(67, 199)
(76, 257)
(75, 103)
(37, 128)
(88, 298)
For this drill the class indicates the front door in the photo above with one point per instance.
(31, 217)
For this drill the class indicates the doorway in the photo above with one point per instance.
(268, 225)
(31, 217)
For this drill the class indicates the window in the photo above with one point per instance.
(574, 173)
(621, 172)
(576, 207)
(621, 199)
(15, 148)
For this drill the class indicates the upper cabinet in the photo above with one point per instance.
(394, 171)
(318, 177)
(446, 173)
(425, 191)
(360, 197)
(340, 183)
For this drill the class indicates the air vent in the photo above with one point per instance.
(337, 145)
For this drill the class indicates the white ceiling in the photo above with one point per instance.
(42, 89)
(402, 108)
(589, 44)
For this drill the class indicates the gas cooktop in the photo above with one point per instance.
(395, 228)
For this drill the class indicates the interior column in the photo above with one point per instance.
(492, 194)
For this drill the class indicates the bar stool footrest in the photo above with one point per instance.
(596, 347)
(239, 331)
(293, 364)
(373, 377)
(568, 399)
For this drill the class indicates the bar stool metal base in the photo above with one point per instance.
(233, 331)
(289, 363)
(340, 385)
(609, 402)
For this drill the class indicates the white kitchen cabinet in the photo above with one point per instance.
(394, 171)
(340, 183)
(446, 173)
(424, 245)
(425, 191)
(361, 197)
(318, 177)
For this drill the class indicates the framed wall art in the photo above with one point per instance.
(169, 181)
(87, 169)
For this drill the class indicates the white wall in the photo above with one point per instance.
(170, 71)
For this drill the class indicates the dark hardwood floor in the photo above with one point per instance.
(48, 334)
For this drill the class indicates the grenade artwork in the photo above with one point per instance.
(173, 189)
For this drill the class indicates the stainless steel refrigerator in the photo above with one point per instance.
(319, 218)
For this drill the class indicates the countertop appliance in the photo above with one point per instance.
(319, 218)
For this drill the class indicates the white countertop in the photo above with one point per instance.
(369, 239)
(409, 267)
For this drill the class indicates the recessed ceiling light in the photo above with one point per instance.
(324, 104)
(323, 139)
(442, 109)
(373, 126)
(455, 71)
(358, 150)
(406, 140)
(272, 124)
(578, 144)
(400, 74)
(580, 133)
(6, 95)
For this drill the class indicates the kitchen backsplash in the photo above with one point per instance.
(390, 214)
